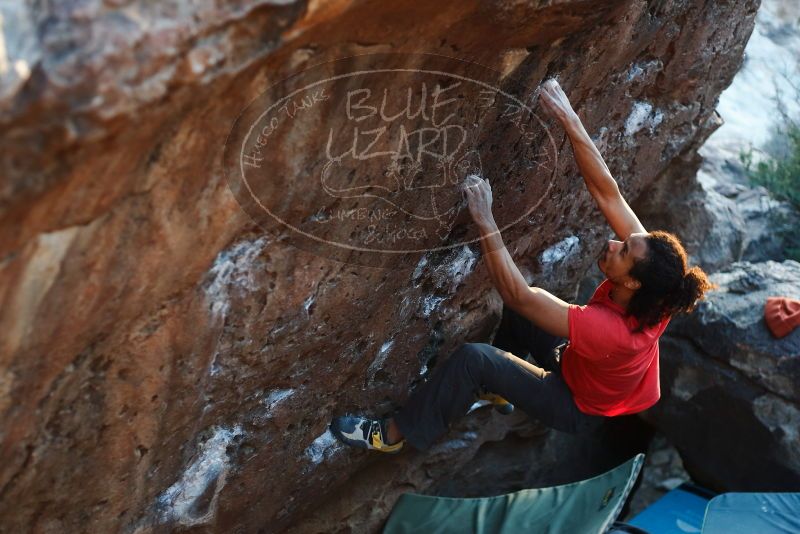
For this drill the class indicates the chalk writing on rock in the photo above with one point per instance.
(360, 159)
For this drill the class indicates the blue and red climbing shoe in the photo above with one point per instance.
(364, 433)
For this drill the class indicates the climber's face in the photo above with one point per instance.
(618, 257)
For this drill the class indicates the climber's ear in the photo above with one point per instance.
(631, 283)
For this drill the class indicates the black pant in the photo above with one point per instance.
(539, 391)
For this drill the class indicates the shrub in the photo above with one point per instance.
(778, 169)
(780, 175)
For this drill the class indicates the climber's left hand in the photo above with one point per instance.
(555, 102)
(478, 193)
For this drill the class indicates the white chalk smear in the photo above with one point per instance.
(423, 261)
(639, 69)
(564, 248)
(322, 448)
(640, 117)
(214, 368)
(461, 265)
(209, 470)
(276, 396)
(232, 271)
(466, 440)
(380, 358)
(430, 303)
(309, 302)
(446, 276)
(455, 268)
(635, 71)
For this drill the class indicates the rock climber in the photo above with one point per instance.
(609, 365)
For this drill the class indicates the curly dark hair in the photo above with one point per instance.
(668, 285)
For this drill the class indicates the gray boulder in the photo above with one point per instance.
(718, 217)
(730, 397)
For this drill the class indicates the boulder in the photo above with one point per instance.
(719, 218)
(730, 396)
(171, 361)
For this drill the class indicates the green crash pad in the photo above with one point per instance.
(587, 506)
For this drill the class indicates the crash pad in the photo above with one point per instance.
(586, 506)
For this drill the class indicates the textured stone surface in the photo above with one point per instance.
(730, 399)
(720, 220)
(166, 364)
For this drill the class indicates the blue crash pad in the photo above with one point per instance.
(762, 513)
(680, 511)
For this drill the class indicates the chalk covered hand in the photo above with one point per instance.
(478, 193)
(555, 102)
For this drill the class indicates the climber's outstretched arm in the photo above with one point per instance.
(596, 175)
(600, 183)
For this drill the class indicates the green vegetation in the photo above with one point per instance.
(779, 170)
(780, 175)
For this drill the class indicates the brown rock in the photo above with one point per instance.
(165, 363)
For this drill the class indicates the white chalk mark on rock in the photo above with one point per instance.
(322, 448)
(233, 271)
(309, 302)
(445, 276)
(638, 70)
(564, 248)
(423, 369)
(380, 358)
(214, 368)
(430, 303)
(276, 396)
(423, 261)
(461, 266)
(634, 71)
(188, 501)
(642, 115)
(454, 269)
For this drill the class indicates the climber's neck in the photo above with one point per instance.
(621, 295)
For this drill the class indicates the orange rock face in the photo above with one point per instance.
(171, 353)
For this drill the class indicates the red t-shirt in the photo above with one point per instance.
(610, 369)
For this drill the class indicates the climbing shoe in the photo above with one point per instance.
(364, 433)
(500, 404)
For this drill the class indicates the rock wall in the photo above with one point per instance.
(168, 364)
